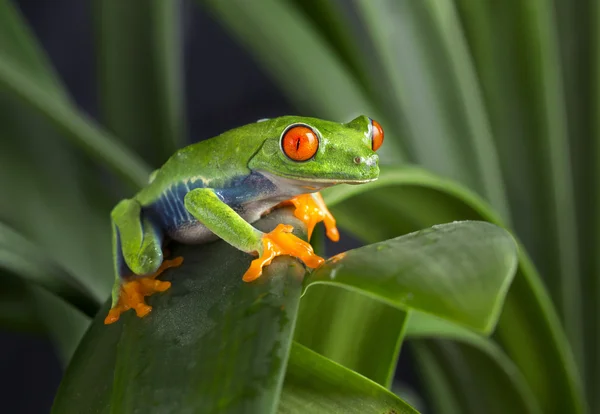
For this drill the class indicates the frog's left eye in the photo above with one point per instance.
(376, 135)
(299, 142)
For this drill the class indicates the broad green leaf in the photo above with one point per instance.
(314, 384)
(302, 63)
(459, 271)
(474, 362)
(212, 341)
(516, 53)
(140, 73)
(434, 270)
(528, 329)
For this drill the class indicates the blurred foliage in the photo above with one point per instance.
(495, 102)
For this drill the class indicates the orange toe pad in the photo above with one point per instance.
(133, 292)
(311, 209)
(279, 242)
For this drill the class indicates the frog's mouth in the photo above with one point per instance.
(312, 184)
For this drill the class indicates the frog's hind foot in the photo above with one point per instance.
(133, 292)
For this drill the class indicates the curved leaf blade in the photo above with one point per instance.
(314, 384)
(501, 388)
(457, 271)
(140, 74)
(528, 329)
(22, 258)
(374, 352)
(81, 130)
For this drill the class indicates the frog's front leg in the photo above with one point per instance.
(223, 221)
(136, 252)
(311, 209)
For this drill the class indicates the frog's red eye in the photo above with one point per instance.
(300, 143)
(376, 135)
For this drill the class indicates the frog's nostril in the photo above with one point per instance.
(359, 160)
(372, 160)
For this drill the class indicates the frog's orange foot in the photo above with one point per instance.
(279, 242)
(311, 209)
(133, 292)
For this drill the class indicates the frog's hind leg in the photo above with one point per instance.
(138, 260)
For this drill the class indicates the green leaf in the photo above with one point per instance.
(373, 351)
(435, 381)
(140, 72)
(474, 362)
(21, 257)
(327, 88)
(212, 342)
(64, 324)
(73, 124)
(528, 329)
(516, 53)
(50, 194)
(425, 61)
(458, 271)
(434, 270)
(314, 384)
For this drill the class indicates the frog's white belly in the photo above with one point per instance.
(194, 232)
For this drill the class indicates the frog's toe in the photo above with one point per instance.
(113, 315)
(279, 242)
(133, 292)
(311, 209)
(141, 309)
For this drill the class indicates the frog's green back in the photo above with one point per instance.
(215, 162)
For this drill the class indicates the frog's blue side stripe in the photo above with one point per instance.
(169, 211)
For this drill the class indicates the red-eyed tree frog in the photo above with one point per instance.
(218, 187)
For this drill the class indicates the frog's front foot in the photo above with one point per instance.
(279, 242)
(133, 292)
(311, 209)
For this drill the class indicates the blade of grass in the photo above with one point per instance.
(140, 72)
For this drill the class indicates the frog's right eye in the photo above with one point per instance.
(299, 143)
(376, 135)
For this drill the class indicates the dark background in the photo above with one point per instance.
(224, 88)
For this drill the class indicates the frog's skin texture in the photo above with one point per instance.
(218, 187)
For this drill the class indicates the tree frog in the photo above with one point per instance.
(218, 187)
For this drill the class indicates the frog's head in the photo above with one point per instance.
(320, 153)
